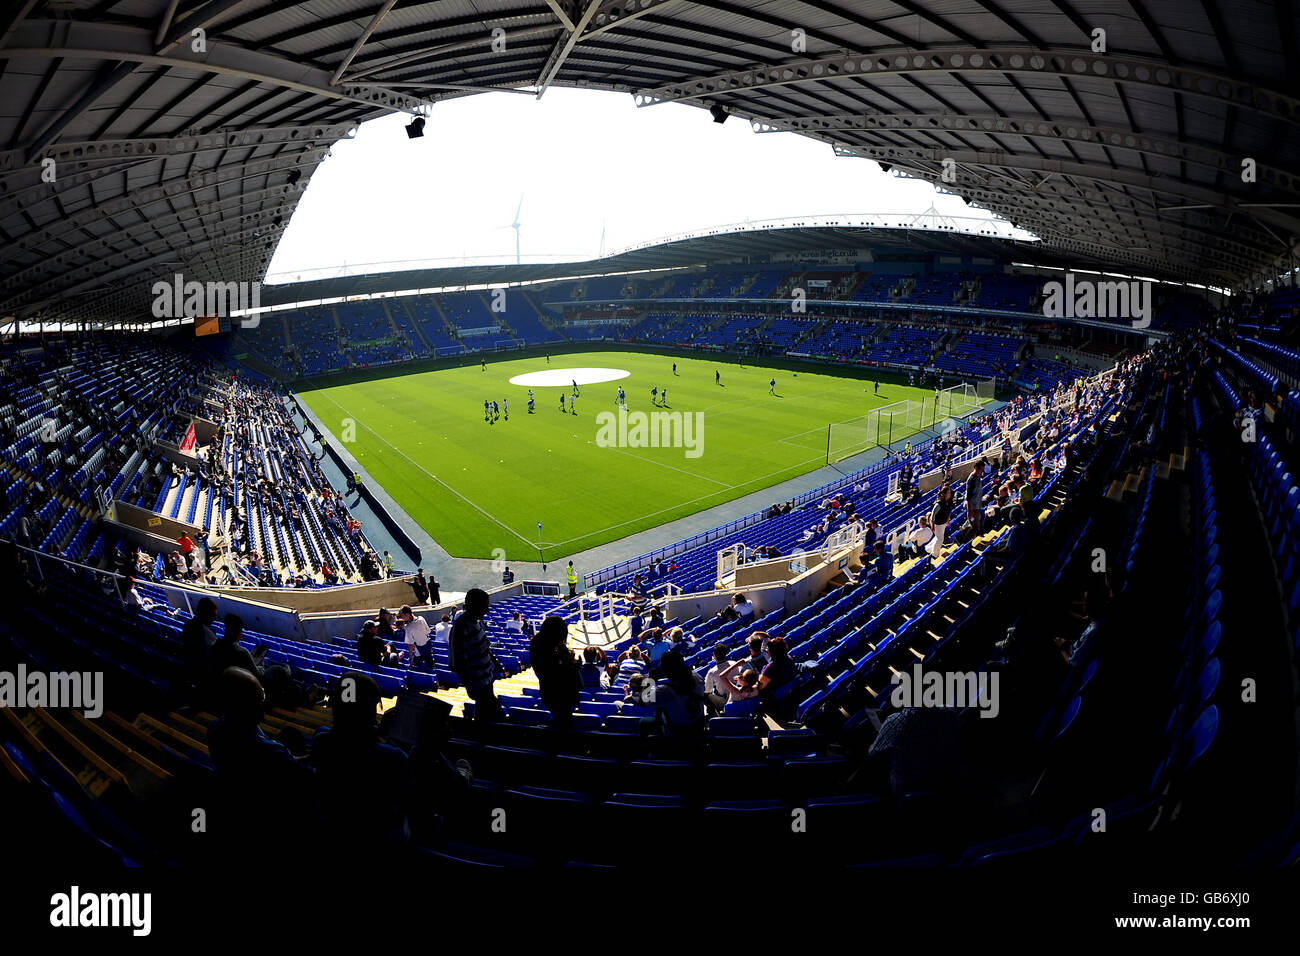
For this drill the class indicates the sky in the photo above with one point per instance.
(585, 163)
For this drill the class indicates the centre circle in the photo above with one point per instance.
(552, 377)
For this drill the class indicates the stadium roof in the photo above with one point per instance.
(184, 152)
(813, 239)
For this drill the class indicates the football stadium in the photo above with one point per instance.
(940, 541)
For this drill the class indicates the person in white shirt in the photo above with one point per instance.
(516, 624)
(717, 691)
(738, 610)
(917, 541)
(442, 632)
(416, 631)
(742, 689)
(137, 601)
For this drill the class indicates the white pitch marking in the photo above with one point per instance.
(551, 377)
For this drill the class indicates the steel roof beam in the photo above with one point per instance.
(1067, 64)
(563, 47)
(1112, 137)
(133, 46)
(361, 40)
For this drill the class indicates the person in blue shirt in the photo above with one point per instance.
(870, 536)
(771, 387)
(656, 645)
(882, 564)
(593, 668)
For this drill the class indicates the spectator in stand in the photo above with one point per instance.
(779, 672)
(363, 784)
(882, 566)
(472, 658)
(1027, 490)
(442, 631)
(631, 663)
(387, 627)
(197, 640)
(228, 652)
(740, 609)
(975, 498)
(716, 692)
(371, 648)
(559, 675)
(636, 693)
(679, 642)
(594, 678)
(138, 602)
(758, 658)
(415, 629)
(1084, 648)
(1012, 545)
(917, 541)
(420, 586)
(679, 703)
(738, 690)
(250, 766)
(654, 645)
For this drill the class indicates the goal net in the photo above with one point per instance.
(880, 426)
(891, 424)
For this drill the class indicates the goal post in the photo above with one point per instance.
(881, 427)
(891, 424)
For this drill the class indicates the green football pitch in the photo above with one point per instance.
(480, 488)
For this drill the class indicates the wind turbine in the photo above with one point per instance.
(515, 226)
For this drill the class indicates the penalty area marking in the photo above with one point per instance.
(551, 377)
